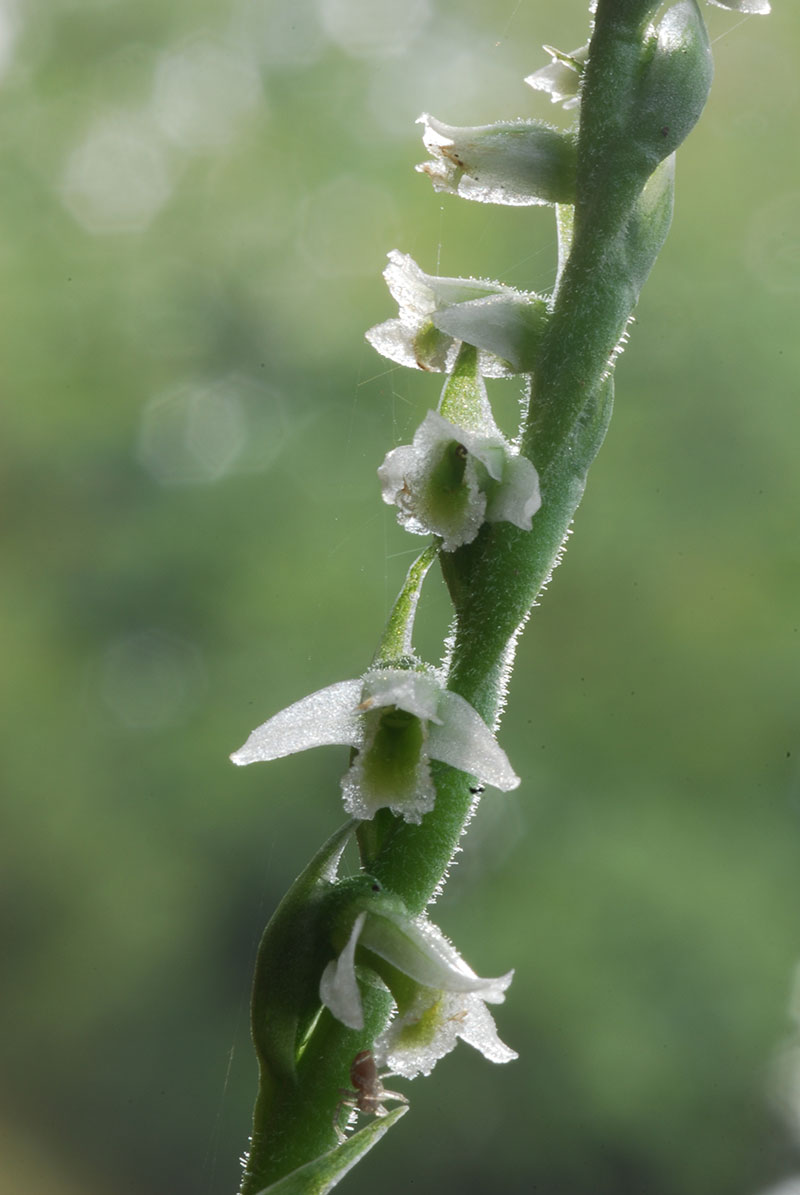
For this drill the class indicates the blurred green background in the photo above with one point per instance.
(196, 202)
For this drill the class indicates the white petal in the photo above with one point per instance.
(750, 6)
(338, 988)
(461, 976)
(562, 78)
(507, 326)
(392, 473)
(419, 294)
(325, 717)
(518, 498)
(415, 692)
(395, 341)
(466, 742)
(420, 950)
(478, 1029)
(491, 454)
(408, 286)
(558, 79)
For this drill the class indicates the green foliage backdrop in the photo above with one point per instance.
(196, 202)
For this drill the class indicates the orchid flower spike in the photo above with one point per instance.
(435, 314)
(398, 719)
(439, 998)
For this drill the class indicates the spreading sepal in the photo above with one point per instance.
(436, 314)
(516, 163)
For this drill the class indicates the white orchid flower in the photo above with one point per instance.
(414, 1043)
(398, 719)
(450, 481)
(515, 162)
(562, 78)
(437, 314)
(447, 1002)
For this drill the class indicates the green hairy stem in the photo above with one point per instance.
(641, 92)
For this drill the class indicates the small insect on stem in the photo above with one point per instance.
(369, 1091)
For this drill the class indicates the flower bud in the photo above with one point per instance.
(674, 84)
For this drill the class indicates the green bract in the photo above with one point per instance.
(674, 85)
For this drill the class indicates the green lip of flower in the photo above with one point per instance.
(398, 719)
(441, 998)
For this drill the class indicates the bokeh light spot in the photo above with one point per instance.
(284, 33)
(772, 248)
(119, 177)
(151, 678)
(374, 28)
(202, 431)
(192, 435)
(9, 30)
(347, 225)
(202, 92)
(790, 1186)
